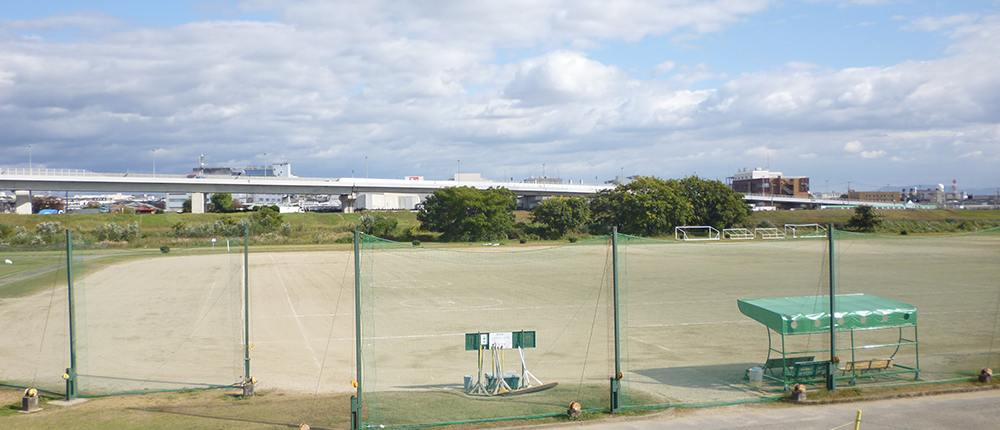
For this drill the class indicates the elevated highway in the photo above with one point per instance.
(786, 202)
(23, 181)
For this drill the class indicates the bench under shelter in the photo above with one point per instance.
(807, 315)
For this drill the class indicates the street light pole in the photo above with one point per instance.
(29, 159)
(154, 163)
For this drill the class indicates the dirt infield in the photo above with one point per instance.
(169, 322)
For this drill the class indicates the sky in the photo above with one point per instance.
(871, 93)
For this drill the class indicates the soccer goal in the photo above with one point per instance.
(804, 231)
(737, 234)
(694, 233)
(769, 233)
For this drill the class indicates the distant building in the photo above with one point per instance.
(930, 196)
(388, 201)
(875, 196)
(175, 201)
(764, 182)
(619, 180)
(542, 180)
(278, 170)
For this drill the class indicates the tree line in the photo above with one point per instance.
(647, 206)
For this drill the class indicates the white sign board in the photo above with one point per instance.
(503, 340)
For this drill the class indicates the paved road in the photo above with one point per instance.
(975, 410)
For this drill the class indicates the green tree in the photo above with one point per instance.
(186, 206)
(865, 219)
(378, 225)
(562, 214)
(222, 202)
(647, 206)
(264, 220)
(468, 214)
(714, 203)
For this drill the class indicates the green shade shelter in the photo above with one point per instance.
(803, 315)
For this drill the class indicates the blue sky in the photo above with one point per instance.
(876, 92)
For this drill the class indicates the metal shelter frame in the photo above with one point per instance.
(804, 315)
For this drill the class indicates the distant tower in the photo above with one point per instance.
(954, 188)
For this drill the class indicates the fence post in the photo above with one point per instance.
(356, 399)
(246, 303)
(831, 382)
(70, 374)
(616, 385)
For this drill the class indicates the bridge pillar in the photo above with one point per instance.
(529, 202)
(347, 202)
(22, 202)
(197, 203)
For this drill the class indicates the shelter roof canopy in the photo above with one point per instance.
(811, 314)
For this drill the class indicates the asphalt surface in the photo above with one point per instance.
(973, 410)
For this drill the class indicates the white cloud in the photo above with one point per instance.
(872, 154)
(561, 77)
(83, 21)
(853, 146)
(931, 23)
(413, 87)
(760, 151)
(664, 67)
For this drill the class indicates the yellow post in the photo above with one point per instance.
(857, 421)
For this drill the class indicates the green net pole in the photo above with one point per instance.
(831, 367)
(246, 303)
(71, 372)
(616, 385)
(356, 399)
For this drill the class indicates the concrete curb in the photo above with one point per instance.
(901, 395)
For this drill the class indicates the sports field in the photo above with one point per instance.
(175, 321)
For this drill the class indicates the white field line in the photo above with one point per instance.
(651, 344)
(298, 320)
(693, 323)
(414, 336)
(308, 316)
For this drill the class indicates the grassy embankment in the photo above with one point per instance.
(329, 228)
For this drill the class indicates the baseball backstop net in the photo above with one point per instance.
(429, 317)
(456, 335)
(141, 320)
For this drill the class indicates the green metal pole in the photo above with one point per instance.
(356, 399)
(246, 303)
(831, 383)
(70, 375)
(616, 385)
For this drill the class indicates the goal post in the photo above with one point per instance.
(769, 233)
(805, 231)
(737, 234)
(696, 233)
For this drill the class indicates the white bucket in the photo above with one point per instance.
(756, 376)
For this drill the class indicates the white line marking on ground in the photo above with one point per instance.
(693, 323)
(652, 344)
(414, 336)
(298, 320)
